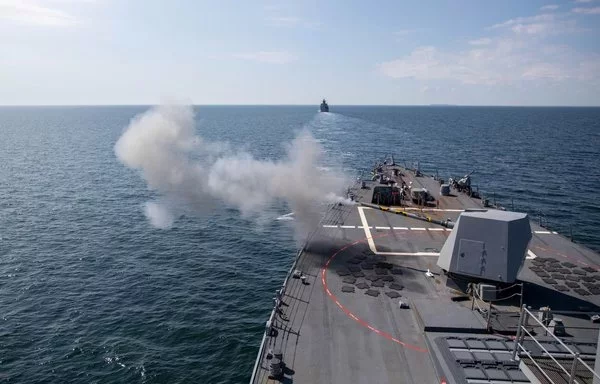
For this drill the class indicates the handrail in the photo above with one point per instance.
(548, 331)
(536, 364)
(526, 314)
(261, 349)
(588, 367)
(545, 350)
(556, 312)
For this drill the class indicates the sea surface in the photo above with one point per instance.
(90, 292)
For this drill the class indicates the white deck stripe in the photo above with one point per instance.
(365, 224)
(371, 243)
(408, 253)
(396, 228)
(542, 232)
(530, 255)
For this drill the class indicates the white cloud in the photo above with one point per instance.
(532, 29)
(583, 1)
(587, 11)
(269, 57)
(544, 17)
(33, 13)
(429, 63)
(505, 61)
(428, 89)
(544, 71)
(482, 41)
(519, 54)
(549, 7)
(544, 24)
(589, 68)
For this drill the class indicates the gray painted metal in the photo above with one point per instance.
(489, 245)
(436, 316)
(445, 189)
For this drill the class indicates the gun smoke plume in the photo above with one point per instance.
(191, 174)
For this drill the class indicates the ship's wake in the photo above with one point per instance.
(286, 217)
(192, 175)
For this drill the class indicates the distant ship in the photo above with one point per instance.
(324, 107)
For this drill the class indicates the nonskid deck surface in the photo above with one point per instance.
(345, 325)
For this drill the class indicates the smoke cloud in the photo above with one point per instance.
(191, 174)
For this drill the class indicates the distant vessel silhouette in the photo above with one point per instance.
(324, 107)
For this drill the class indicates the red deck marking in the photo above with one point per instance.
(347, 311)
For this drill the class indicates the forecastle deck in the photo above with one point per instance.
(343, 322)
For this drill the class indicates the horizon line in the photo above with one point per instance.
(298, 105)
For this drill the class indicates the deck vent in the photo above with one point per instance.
(487, 292)
(445, 189)
(488, 245)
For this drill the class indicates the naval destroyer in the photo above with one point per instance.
(428, 281)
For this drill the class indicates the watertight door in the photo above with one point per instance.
(471, 257)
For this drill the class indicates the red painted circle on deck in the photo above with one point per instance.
(347, 311)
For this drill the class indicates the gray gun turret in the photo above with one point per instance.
(465, 182)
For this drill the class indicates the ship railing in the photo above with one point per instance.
(577, 361)
(272, 316)
(271, 321)
(496, 202)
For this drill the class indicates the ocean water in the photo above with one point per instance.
(91, 293)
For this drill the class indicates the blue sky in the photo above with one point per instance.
(253, 52)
